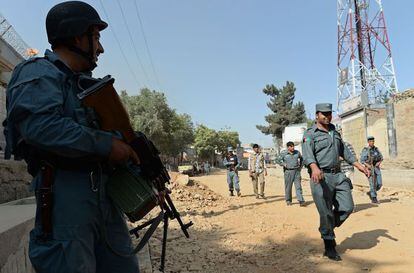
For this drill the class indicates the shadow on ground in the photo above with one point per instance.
(364, 240)
(364, 206)
(213, 251)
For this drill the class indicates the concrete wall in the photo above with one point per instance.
(353, 130)
(377, 127)
(404, 123)
(371, 122)
(2, 115)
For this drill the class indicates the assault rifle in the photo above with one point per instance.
(100, 95)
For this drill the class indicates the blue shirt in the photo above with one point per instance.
(44, 111)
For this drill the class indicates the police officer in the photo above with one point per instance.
(77, 228)
(257, 171)
(372, 158)
(331, 189)
(232, 163)
(291, 161)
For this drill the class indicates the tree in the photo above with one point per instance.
(284, 111)
(150, 113)
(205, 142)
(182, 134)
(226, 139)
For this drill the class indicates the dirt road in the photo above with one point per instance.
(243, 234)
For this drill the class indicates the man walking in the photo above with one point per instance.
(331, 189)
(257, 171)
(232, 163)
(372, 158)
(291, 161)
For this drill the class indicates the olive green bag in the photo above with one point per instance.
(132, 193)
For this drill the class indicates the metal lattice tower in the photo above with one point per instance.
(365, 69)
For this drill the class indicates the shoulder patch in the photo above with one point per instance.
(306, 139)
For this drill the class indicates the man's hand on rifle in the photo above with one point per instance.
(122, 152)
(363, 169)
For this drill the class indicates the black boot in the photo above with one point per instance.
(330, 250)
(231, 193)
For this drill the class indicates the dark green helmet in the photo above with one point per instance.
(71, 19)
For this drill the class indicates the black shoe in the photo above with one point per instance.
(262, 196)
(369, 195)
(288, 203)
(231, 193)
(374, 200)
(302, 203)
(330, 250)
(238, 193)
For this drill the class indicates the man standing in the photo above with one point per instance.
(372, 158)
(232, 163)
(291, 160)
(77, 227)
(206, 167)
(331, 189)
(257, 171)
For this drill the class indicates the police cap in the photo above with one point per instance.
(323, 107)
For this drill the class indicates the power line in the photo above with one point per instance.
(146, 44)
(119, 44)
(132, 41)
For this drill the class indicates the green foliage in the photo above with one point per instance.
(205, 142)
(208, 141)
(226, 139)
(284, 111)
(150, 113)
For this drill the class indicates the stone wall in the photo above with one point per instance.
(14, 180)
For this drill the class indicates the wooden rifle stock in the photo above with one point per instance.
(103, 98)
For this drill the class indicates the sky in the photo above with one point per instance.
(212, 58)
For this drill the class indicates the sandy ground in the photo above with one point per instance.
(243, 234)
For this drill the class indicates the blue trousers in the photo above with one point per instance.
(233, 180)
(293, 177)
(83, 224)
(333, 199)
(378, 180)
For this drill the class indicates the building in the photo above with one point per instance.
(13, 50)
(294, 133)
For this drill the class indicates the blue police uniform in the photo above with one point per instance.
(44, 111)
(231, 162)
(371, 156)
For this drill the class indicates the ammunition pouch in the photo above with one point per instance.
(131, 192)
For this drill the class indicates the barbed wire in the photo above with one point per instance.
(11, 37)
